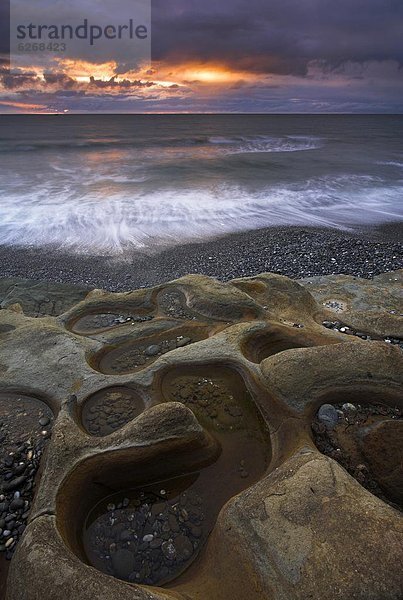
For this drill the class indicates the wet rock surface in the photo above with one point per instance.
(367, 441)
(39, 298)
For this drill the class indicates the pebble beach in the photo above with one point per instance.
(296, 252)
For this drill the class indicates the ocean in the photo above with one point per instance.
(109, 184)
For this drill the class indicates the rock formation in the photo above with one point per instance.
(187, 457)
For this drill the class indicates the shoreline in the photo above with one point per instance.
(294, 251)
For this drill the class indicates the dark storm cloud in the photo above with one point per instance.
(278, 36)
(291, 55)
(4, 26)
(17, 80)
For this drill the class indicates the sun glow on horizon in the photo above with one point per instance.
(210, 74)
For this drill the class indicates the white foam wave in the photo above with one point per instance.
(111, 222)
(391, 163)
(262, 143)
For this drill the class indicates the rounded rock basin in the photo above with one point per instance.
(365, 436)
(277, 339)
(109, 409)
(150, 533)
(106, 319)
(136, 354)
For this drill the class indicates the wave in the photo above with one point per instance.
(390, 163)
(262, 143)
(110, 223)
(236, 144)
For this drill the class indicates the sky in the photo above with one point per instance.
(224, 56)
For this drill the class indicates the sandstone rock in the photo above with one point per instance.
(304, 532)
(382, 446)
(301, 527)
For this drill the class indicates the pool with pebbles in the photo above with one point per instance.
(91, 323)
(134, 355)
(367, 440)
(151, 534)
(339, 326)
(109, 409)
(172, 303)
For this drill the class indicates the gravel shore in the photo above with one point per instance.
(293, 251)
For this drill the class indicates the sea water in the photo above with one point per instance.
(108, 184)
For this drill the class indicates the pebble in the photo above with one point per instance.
(18, 466)
(17, 503)
(123, 563)
(183, 342)
(349, 408)
(152, 350)
(169, 550)
(148, 543)
(183, 547)
(327, 414)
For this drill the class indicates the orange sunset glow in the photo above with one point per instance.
(219, 57)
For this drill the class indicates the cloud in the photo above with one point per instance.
(235, 56)
(278, 36)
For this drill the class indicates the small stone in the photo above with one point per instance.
(9, 542)
(349, 408)
(183, 342)
(148, 538)
(10, 517)
(14, 483)
(196, 531)
(43, 421)
(17, 503)
(327, 414)
(152, 350)
(123, 563)
(235, 411)
(168, 550)
(125, 536)
(173, 523)
(183, 547)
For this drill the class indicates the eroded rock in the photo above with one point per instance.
(222, 390)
